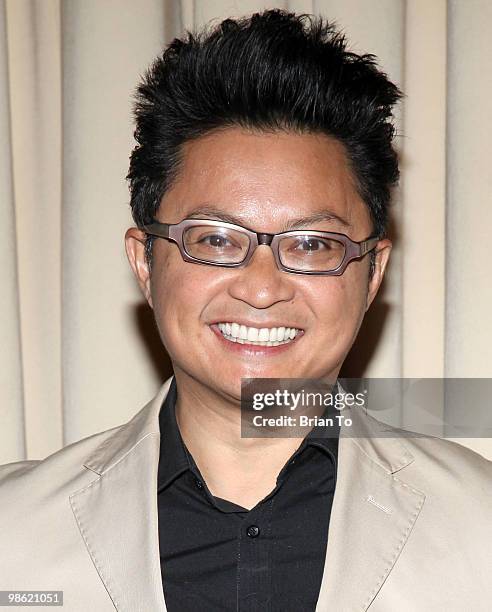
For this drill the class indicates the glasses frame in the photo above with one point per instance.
(174, 232)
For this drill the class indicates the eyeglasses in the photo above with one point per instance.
(217, 243)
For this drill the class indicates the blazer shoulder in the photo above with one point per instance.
(84, 459)
(451, 454)
(432, 448)
(16, 468)
(65, 462)
(433, 463)
(444, 465)
(443, 448)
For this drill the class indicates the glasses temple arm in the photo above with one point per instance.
(368, 245)
(157, 229)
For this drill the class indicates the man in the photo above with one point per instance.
(259, 186)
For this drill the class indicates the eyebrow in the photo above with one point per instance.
(298, 223)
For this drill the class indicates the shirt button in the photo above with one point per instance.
(253, 531)
(198, 483)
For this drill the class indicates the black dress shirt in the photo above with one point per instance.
(216, 555)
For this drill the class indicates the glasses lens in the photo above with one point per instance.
(216, 244)
(311, 253)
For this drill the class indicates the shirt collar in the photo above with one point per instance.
(326, 440)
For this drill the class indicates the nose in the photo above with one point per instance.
(261, 284)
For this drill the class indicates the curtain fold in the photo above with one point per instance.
(106, 47)
(11, 376)
(80, 352)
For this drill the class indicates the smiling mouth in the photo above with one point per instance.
(258, 336)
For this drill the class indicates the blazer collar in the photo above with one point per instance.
(372, 515)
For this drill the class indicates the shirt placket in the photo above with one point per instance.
(254, 560)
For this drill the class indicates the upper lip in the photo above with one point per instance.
(256, 324)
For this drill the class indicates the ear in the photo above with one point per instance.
(383, 250)
(135, 249)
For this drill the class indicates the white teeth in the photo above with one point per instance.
(258, 336)
(264, 334)
(252, 333)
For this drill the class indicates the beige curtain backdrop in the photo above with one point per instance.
(79, 352)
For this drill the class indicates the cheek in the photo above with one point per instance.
(171, 296)
(180, 293)
(339, 302)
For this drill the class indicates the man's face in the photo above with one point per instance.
(265, 181)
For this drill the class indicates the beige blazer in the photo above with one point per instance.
(410, 529)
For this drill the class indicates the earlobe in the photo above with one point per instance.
(135, 251)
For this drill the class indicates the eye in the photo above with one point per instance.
(214, 240)
(208, 242)
(217, 241)
(312, 245)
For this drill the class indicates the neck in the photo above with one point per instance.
(241, 470)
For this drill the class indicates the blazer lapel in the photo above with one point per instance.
(117, 512)
(372, 516)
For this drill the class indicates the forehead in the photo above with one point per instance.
(266, 179)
